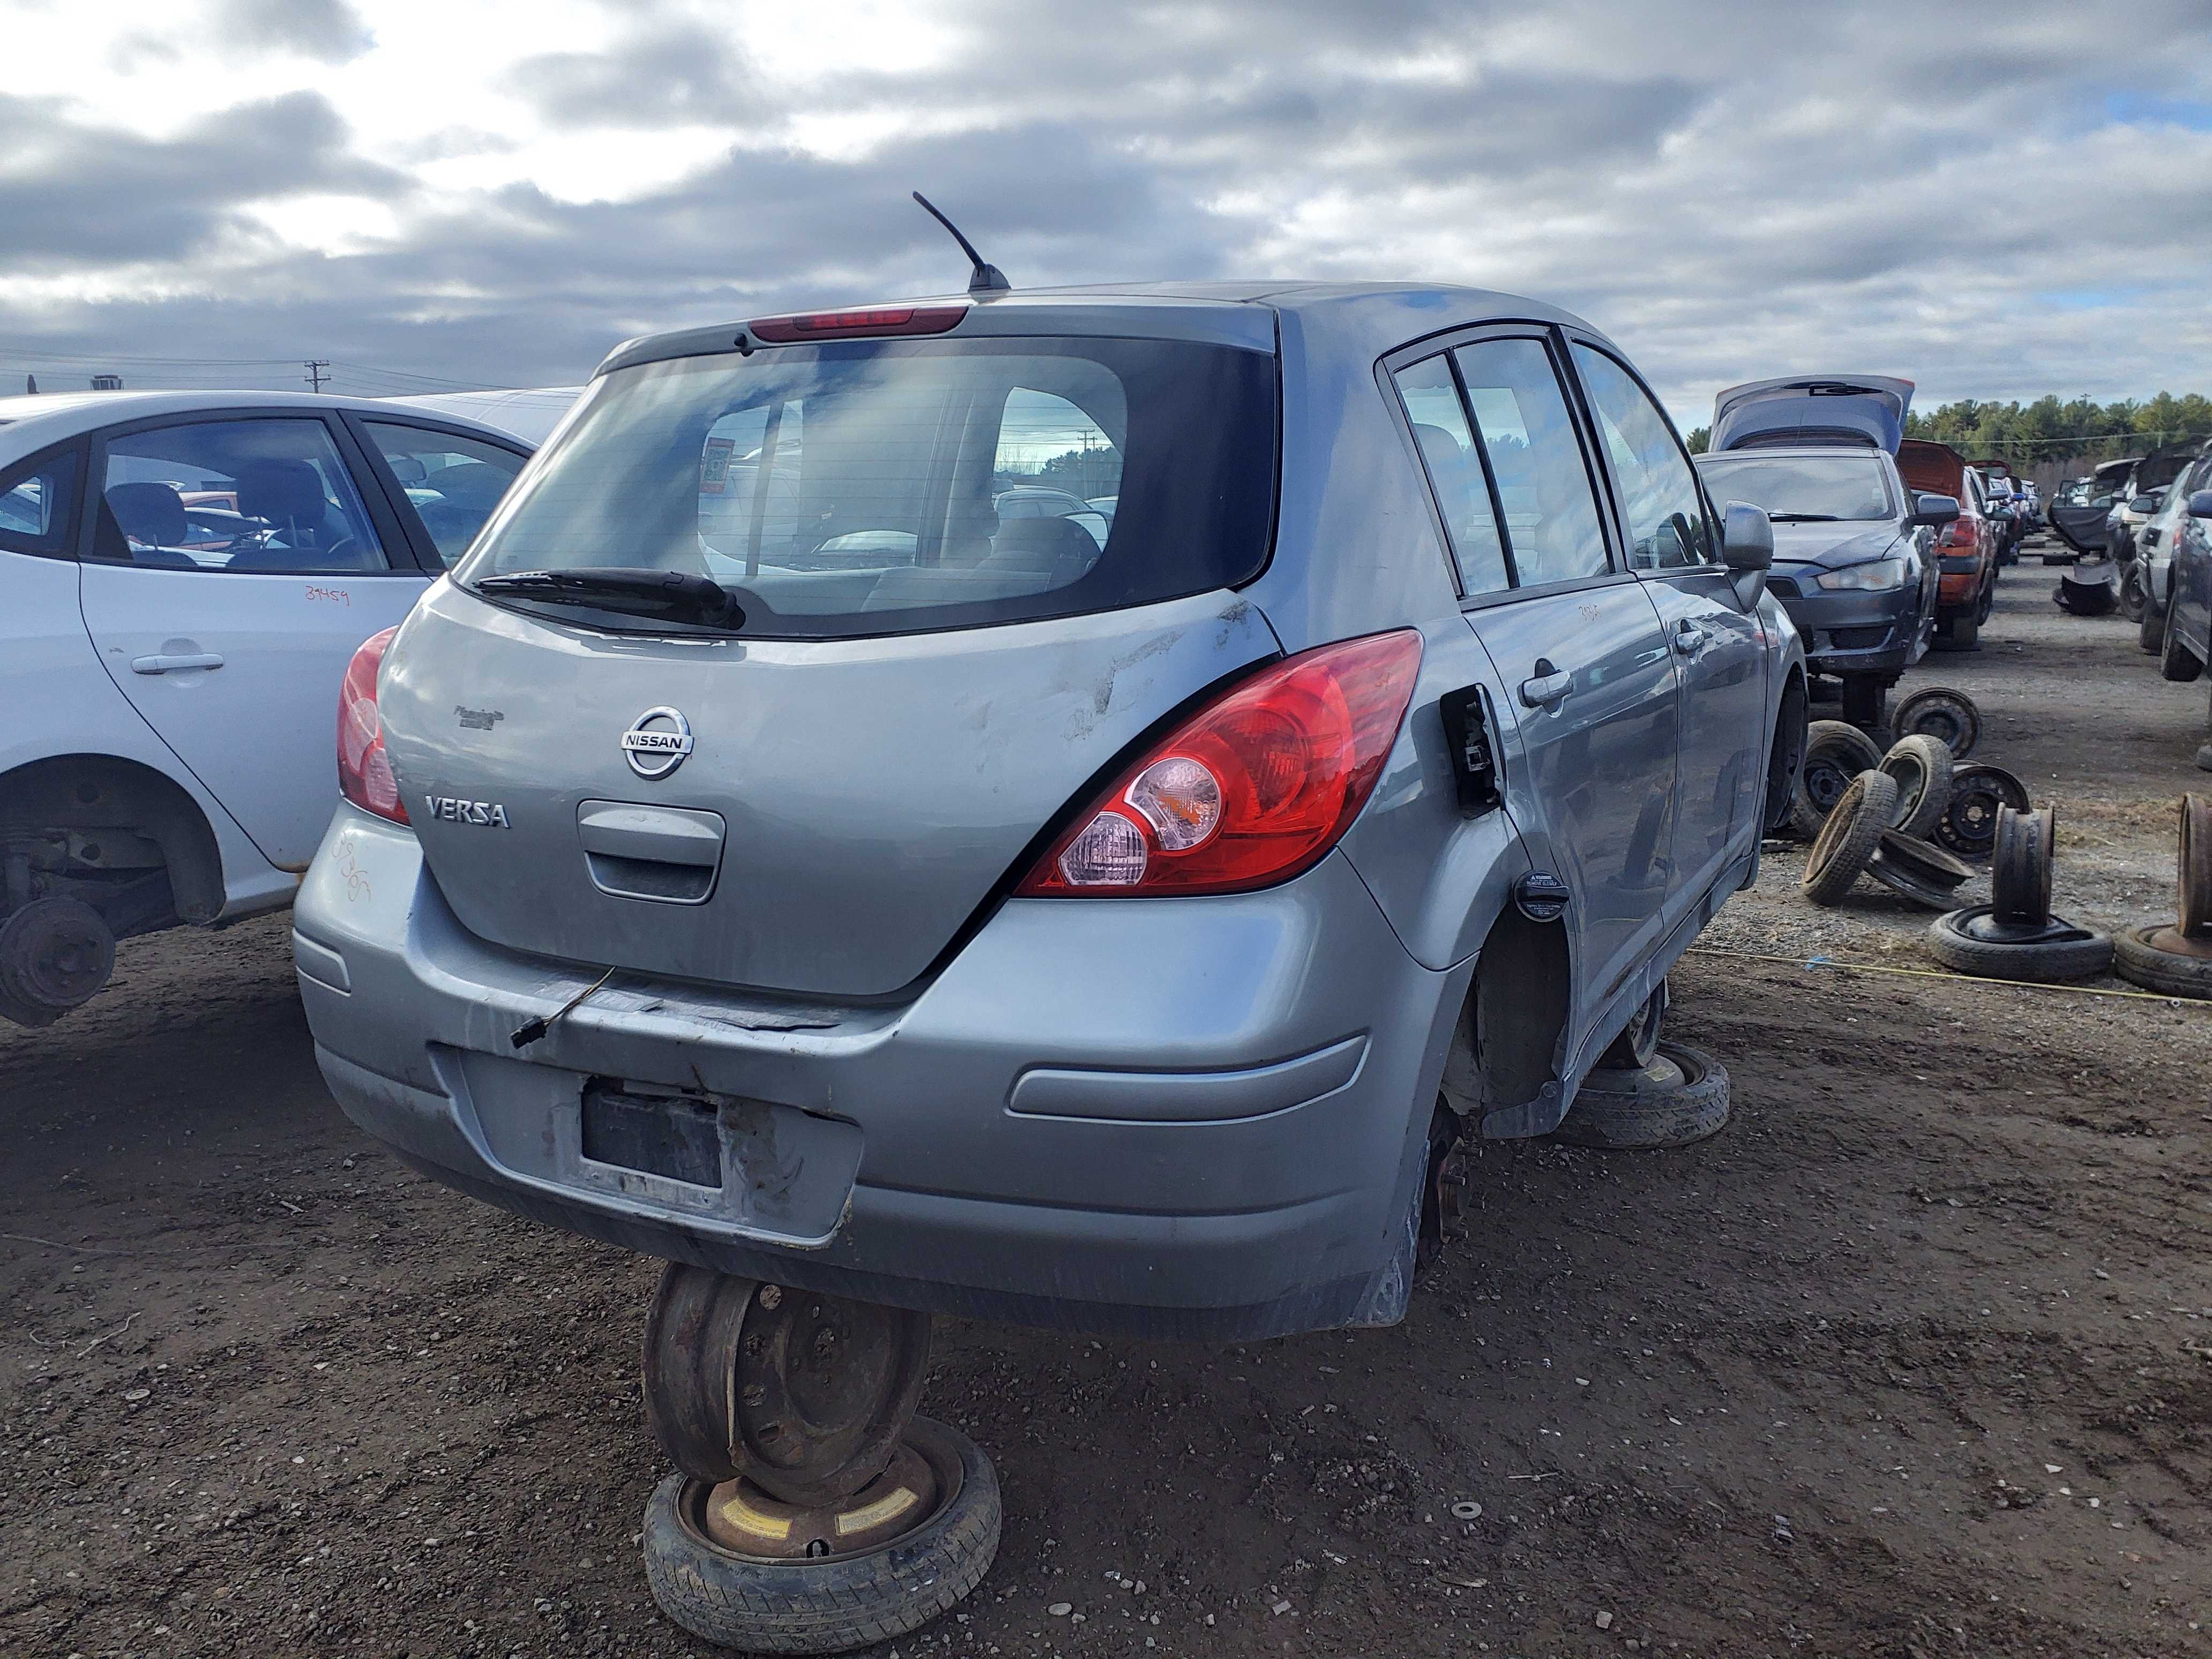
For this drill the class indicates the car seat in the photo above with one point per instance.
(287, 496)
(153, 513)
(1060, 550)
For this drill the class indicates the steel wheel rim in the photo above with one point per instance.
(1825, 783)
(2195, 866)
(1940, 713)
(922, 1451)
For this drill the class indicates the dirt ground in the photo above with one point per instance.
(1915, 1359)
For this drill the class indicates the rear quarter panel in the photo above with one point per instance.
(1357, 552)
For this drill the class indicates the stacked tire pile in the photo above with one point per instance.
(1914, 818)
(1918, 823)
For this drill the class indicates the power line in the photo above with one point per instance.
(315, 366)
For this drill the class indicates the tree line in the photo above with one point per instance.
(2051, 438)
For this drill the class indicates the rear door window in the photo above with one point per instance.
(876, 486)
(261, 495)
(1551, 526)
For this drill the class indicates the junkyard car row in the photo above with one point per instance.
(1065, 807)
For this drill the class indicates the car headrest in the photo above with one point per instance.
(283, 492)
(1060, 546)
(150, 513)
(1438, 447)
(471, 483)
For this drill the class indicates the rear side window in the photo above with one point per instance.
(1666, 525)
(37, 503)
(883, 487)
(452, 482)
(1453, 461)
(1543, 482)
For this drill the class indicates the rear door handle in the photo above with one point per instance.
(1689, 638)
(158, 665)
(1548, 685)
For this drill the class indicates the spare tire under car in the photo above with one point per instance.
(1679, 1099)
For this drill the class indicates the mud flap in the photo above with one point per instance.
(1384, 1300)
(1538, 1116)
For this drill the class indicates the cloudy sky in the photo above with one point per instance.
(1993, 200)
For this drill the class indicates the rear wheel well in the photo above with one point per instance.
(113, 833)
(1504, 1063)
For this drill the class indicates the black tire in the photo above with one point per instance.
(831, 1606)
(1678, 1100)
(2177, 662)
(2150, 633)
(1989, 605)
(2019, 865)
(2139, 962)
(1864, 697)
(2080, 953)
(1961, 631)
(1848, 839)
(2134, 602)
(1835, 753)
(1922, 766)
(1943, 713)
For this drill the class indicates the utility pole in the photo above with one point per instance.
(315, 368)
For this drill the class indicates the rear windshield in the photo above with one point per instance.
(896, 486)
(1801, 487)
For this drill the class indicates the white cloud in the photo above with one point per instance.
(2018, 201)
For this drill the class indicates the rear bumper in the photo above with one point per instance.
(1135, 1116)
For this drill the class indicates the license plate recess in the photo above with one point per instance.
(675, 1135)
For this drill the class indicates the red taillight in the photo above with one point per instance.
(1251, 790)
(881, 319)
(1959, 532)
(364, 770)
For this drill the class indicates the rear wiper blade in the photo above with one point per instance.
(1804, 518)
(670, 595)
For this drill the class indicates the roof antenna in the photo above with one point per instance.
(988, 278)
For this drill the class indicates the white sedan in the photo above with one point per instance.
(183, 577)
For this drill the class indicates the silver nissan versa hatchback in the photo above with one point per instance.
(766, 853)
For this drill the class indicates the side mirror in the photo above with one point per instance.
(1747, 549)
(2145, 502)
(2200, 504)
(1934, 511)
